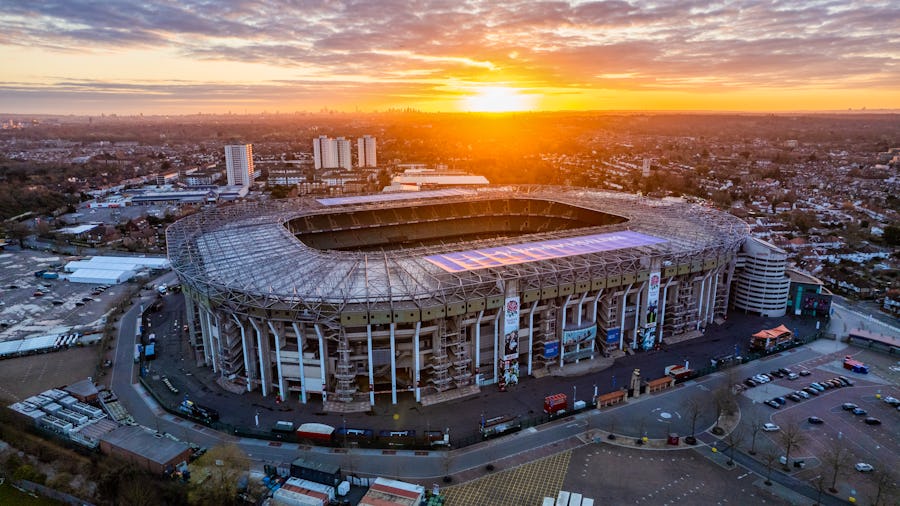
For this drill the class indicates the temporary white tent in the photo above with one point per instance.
(100, 276)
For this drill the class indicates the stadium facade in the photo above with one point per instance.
(352, 299)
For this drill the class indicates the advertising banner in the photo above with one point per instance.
(511, 329)
(579, 335)
(551, 349)
(652, 299)
(612, 336)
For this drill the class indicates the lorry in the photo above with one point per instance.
(198, 412)
(556, 404)
(855, 365)
(680, 372)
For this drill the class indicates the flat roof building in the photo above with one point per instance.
(144, 448)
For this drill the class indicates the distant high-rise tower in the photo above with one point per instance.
(239, 164)
(325, 155)
(365, 146)
(344, 159)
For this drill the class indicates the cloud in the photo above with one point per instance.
(688, 46)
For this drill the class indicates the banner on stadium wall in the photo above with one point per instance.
(510, 372)
(511, 329)
(652, 300)
(579, 335)
(551, 349)
(612, 336)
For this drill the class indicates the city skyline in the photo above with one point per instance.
(160, 58)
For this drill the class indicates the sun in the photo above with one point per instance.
(498, 99)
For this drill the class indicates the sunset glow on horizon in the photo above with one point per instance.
(160, 57)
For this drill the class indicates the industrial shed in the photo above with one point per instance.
(144, 448)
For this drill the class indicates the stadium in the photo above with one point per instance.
(355, 300)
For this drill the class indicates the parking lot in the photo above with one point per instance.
(30, 305)
(877, 445)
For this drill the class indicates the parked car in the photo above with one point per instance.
(848, 406)
(847, 381)
(859, 411)
(817, 386)
(872, 421)
(770, 427)
(793, 376)
(815, 420)
(893, 401)
(802, 393)
(777, 374)
(780, 400)
(794, 397)
(772, 403)
(750, 383)
(804, 372)
(811, 391)
(864, 468)
(785, 371)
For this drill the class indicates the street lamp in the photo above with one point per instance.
(574, 394)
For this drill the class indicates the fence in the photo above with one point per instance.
(421, 442)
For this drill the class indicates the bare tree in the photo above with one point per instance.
(612, 426)
(835, 461)
(224, 465)
(819, 483)
(885, 486)
(756, 424)
(769, 457)
(791, 436)
(694, 409)
(733, 439)
(723, 400)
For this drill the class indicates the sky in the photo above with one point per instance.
(250, 56)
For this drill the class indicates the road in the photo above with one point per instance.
(643, 416)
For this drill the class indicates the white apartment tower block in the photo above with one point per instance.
(324, 152)
(365, 146)
(344, 159)
(239, 164)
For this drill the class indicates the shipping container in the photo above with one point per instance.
(319, 472)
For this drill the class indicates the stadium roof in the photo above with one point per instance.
(245, 254)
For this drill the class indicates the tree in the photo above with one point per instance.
(769, 458)
(733, 439)
(756, 425)
(222, 465)
(694, 408)
(19, 231)
(835, 461)
(885, 486)
(791, 436)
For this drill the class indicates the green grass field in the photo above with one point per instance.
(9, 495)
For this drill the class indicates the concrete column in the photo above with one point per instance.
(531, 334)
(213, 339)
(580, 303)
(393, 365)
(622, 318)
(322, 352)
(248, 370)
(496, 340)
(205, 336)
(662, 309)
(263, 367)
(478, 339)
(562, 328)
(300, 339)
(281, 389)
(371, 367)
(638, 310)
(416, 361)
